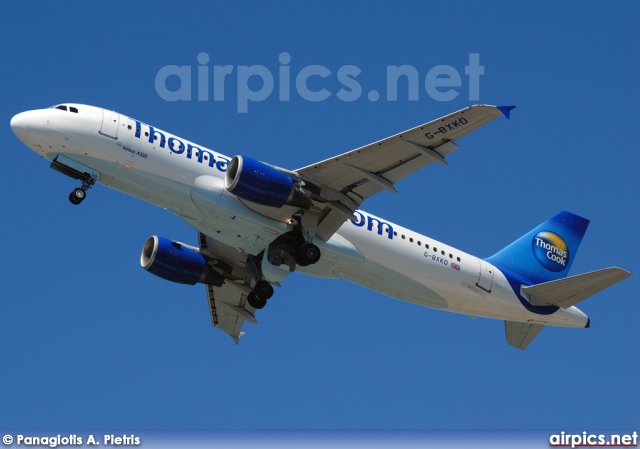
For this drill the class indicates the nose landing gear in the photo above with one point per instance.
(78, 195)
(75, 170)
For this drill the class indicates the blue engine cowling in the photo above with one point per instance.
(173, 261)
(260, 183)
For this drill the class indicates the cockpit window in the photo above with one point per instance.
(63, 107)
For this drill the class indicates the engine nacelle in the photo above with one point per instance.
(260, 183)
(175, 262)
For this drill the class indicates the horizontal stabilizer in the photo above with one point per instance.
(569, 291)
(521, 334)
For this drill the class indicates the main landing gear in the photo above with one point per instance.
(260, 294)
(291, 249)
(303, 251)
(307, 254)
(262, 290)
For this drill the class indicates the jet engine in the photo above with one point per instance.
(260, 183)
(176, 262)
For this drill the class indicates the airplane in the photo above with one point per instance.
(257, 223)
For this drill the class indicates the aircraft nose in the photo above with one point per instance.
(20, 125)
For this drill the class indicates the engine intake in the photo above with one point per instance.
(175, 262)
(260, 183)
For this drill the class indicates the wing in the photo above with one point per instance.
(340, 184)
(228, 304)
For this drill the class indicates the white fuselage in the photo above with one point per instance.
(176, 174)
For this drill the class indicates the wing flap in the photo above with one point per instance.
(520, 335)
(570, 291)
(228, 305)
(229, 309)
(330, 222)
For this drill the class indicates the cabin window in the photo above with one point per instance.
(458, 259)
(442, 252)
(450, 256)
(403, 236)
(411, 239)
(419, 243)
(128, 126)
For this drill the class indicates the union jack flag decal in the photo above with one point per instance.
(455, 266)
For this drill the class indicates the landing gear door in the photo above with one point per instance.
(485, 280)
(110, 122)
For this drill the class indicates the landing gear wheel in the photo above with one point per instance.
(77, 196)
(308, 254)
(263, 290)
(300, 262)
(255, 302)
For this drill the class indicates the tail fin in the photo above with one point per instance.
(545, 253)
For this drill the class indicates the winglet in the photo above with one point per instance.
(506, 110)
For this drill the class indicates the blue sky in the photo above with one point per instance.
(88, 339)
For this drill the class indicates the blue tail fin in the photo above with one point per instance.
(545, 253)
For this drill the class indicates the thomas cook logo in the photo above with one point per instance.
(550, 250)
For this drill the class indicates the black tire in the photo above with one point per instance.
(299, 261)
(308, 254)
(263, 290)
(256, 302)
(77, 196)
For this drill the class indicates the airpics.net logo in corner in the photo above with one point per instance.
(550, 250)
(315, 83)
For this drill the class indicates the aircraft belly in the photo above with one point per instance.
(224, 218)
(337, 253)
(392, 283)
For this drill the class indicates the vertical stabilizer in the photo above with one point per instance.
(545, 253)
